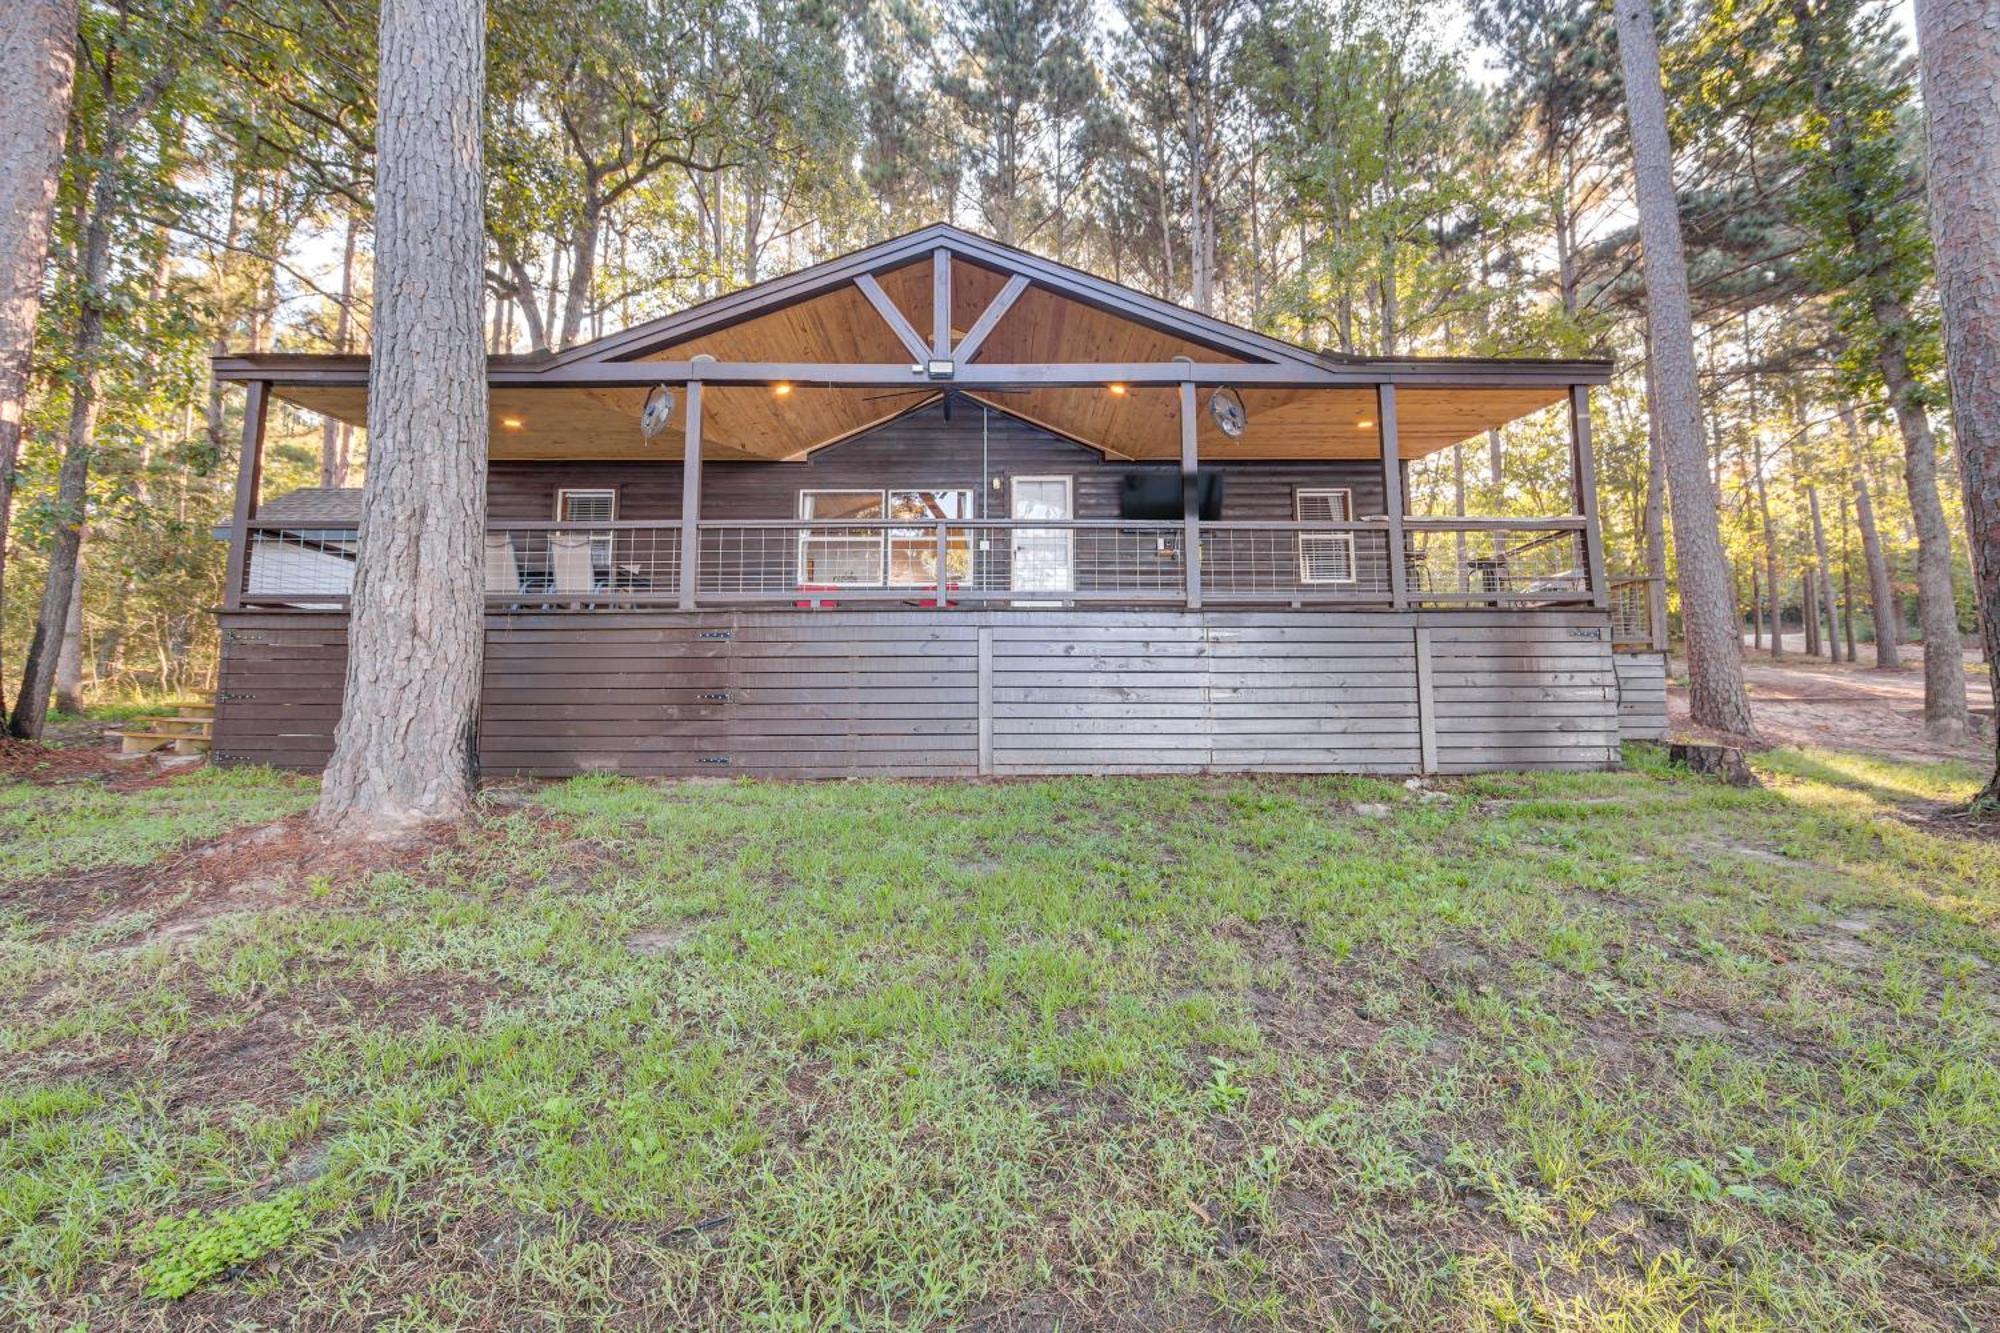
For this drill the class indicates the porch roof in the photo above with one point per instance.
(806, 360)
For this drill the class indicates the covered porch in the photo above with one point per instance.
(943, 508)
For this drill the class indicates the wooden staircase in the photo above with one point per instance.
(189, 731)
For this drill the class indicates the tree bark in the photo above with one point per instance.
(405, 748)
(37, 78)
(69, 657)
(1881, 598)
(1945, 716)
(38, 669)
(1960, 46)
(335, 440)
(1825, 576)
(1708, 619)
(1771, 584)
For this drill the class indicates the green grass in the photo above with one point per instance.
(1608, 1051)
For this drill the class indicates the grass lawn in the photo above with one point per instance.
(1611, 1051)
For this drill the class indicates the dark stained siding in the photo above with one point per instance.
(942, 693)
(919, 449)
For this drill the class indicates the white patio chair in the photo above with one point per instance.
(503, 570)
(570, 559)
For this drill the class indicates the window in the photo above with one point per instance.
(590, 507)
(840, 557)
(586, 506)
(1325, 557)
(913, 551)
(873, 557)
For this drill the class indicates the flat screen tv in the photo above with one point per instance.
(1156, 494)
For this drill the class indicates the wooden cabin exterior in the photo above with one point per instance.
(943, 508)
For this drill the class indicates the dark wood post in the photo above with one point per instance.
(691, 494)
(1392, 497)
(941, 304)
(1583, 475)
(1190, 499)
(249, 480)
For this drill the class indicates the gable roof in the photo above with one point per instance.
(800, 361)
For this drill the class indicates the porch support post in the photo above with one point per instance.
(1583, 474)
(941, 304)
(1190, 499)
(249, 479)
(1392, 497)
(691, 496)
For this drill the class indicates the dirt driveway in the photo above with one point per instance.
(1807, 701)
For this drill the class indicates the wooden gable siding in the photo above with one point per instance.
(920, 449)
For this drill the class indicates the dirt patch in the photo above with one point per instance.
(65, 765)
(251, 869)
(1821, 705)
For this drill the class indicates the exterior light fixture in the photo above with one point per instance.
(781, 389)
(1117, 390)
(512, 423)
(1363, 424)
(940, 369)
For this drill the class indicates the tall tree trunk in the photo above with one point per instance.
(69, 657)
(37, 77)
(1945, 716)
(1960, 43)
(334, 437)
(1847, 581)
(1881, 597)
(38, 670)
(405, 748)
(1656, 527)
(1771, 584)
(1708, 617)
(1825, 576)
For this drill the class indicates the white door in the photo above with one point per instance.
(1044, 559)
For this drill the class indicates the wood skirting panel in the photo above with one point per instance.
(1642, 695)
(963, 693)
(1523, 691)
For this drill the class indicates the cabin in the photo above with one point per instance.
(940, 507)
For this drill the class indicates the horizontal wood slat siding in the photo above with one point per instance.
(1523, 691)
(954, 693)
(1642, 695)
(920, 449)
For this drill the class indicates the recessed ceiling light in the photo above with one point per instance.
(1117, 390)
(781, 389)
(1363, 424)
(512, 423)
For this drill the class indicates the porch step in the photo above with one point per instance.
(189, 732)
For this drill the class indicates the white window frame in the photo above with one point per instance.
(1319, 541)
(564, 493)
(600, 542)
(926, 530)
(876, 538)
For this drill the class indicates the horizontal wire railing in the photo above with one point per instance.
(816, 563)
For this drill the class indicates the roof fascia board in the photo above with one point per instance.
(310, 372)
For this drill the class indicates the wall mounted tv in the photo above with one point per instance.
(1156, 494)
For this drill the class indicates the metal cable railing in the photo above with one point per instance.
(814, 563)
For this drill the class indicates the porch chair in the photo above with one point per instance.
(503, 570)
(569, 556)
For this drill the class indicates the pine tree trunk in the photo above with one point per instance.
(405, 748)
(1708, 618)
(333, 445)
(38, 669)
(69, 658)
(1771, 583)
(1960, 42)
(1881, 597)
(1825, 577)
(1945, 717)
(37, 76)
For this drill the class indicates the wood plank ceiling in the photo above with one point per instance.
(776, 423)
